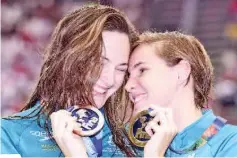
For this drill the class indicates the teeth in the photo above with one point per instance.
(99, 90)
(140, 97)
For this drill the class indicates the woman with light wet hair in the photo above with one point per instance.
(84, 64)
(171, 75)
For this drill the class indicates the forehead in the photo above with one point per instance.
(143, 53)
(116, 45)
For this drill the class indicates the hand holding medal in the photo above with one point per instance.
(69, 126)
(63, 132)
(162, 130)
(153, 129)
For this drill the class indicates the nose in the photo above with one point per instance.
(109, 77)
(130, 85)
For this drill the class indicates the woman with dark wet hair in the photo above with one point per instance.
(85, 63)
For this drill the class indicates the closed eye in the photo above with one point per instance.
(122, 69)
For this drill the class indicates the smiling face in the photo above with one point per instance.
(115, 56)
(151, 81)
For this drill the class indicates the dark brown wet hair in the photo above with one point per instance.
(72, 62)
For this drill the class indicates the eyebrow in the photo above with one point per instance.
(122, 64)
(136, 65)
(105, 58)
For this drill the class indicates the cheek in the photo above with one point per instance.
(146, 82)
(150, 81)
(119, 78)
(159, 87)
(162, 79)
(118, 83)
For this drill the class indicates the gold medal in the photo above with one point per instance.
(136, 131)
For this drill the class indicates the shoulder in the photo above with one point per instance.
(13, 128)
(11, 132)
(229, 133)
(16, 124)
(225, 142)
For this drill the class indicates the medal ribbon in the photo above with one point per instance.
(94, 145)
(207, 135)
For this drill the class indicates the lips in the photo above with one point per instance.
(100, 90)
(137, 98)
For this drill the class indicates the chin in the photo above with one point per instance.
(140, 107)
(99, 104)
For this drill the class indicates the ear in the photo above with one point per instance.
(184, 69)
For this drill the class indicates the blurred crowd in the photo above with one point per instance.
(26, 26)
(225, 88)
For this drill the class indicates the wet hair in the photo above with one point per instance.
(173, 47)
(72, 64)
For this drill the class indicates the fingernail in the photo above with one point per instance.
(150, 110)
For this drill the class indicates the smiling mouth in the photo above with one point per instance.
(138, 98)
(99, 93)
(98, 90)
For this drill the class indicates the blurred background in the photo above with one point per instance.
(26, 26)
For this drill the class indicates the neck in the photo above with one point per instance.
(185, 111)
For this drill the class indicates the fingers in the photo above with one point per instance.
(78, 131)
(160, 114)
(163, 120)
(69, 141)
(159, 121)
(162, 130)
(152, 127)
(153, 109)
(69, 124)
(62, 122)
(148, 128)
